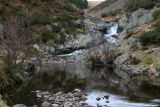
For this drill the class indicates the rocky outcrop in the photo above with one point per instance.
(136, 19)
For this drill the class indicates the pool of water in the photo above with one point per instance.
(96, 82)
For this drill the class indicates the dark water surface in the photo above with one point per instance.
(97, 82)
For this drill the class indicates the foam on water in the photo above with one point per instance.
(112, 31)
(113, 101)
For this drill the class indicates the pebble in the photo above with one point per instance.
(76, 98)
(98, 98)
(106, 97)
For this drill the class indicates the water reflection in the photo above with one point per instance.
(70, 76)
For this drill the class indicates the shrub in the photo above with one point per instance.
(133, 5)
(17, 10)
(156, 14)
(9, 74)
(150, 38)
(41, 18)
(47, 35)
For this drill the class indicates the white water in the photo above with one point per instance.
(112, 31)
(113, 101)
(75, 53)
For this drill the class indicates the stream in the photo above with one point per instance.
(95, 81)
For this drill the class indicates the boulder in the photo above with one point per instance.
(126, 71)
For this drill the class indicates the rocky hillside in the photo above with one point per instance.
(138, 44)
(30, 22)
(107, 6)
(46, 19)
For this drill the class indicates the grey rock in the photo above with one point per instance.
(46, 104)
(122, 59)
(137, 18)
(34, 106)
(54, 105)
(126, 71)
(139, 45)
(19, 105)
(132, 41)
(98, 99)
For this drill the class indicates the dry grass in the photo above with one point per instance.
(102, 5)
(2, 103)
(149, 59)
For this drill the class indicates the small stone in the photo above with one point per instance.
(106, 97)
(98, 98)
(46, 97)
(77, 90)
(55, 105)
(38, 91)
(46, 104)
(59, 93)
(107, 101)
(50, 98)
(34, 106)
(39, 95)
(70, 95)
(77, 98)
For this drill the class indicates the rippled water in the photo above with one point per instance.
(96, 82)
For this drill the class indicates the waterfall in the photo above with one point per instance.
(112, 33)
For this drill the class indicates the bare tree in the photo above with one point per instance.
(15, 39)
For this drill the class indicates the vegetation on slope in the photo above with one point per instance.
(133, 5)
(112, 13)
(57, 14)
(31, 21)
(102, 5)
(80, 3)
(151, 37)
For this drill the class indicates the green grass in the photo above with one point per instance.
(150, 38)
(157, 66)
(148, 59)
(156, 14)
(144, 58)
